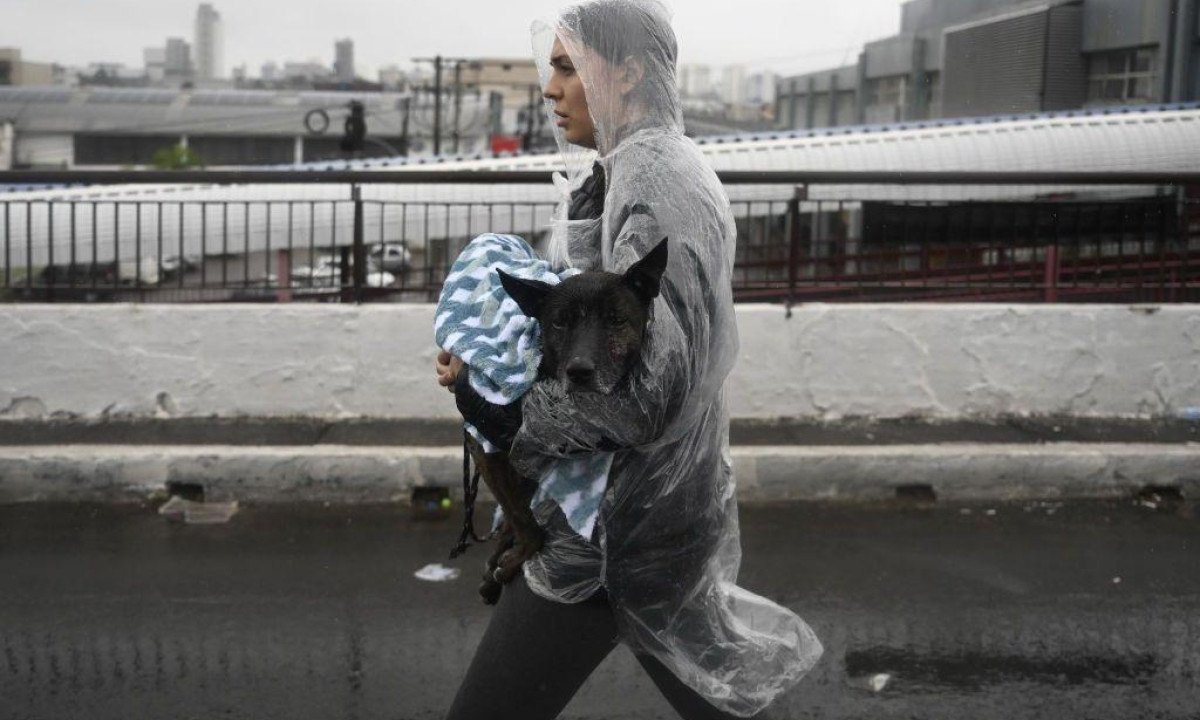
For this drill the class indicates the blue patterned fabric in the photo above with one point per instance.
(477, 321)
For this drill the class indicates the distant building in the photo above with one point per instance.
(962, 58)
(732, 85)
(695, 81)
(208, 47)
(343, 64)
(177, 66)
(514, 82)
(107, 127)
(760, 89)
(113, 74)
(391, 77)
(720, 99)
(270, 71)
(308, 71)
(154, 62)
(15, 71)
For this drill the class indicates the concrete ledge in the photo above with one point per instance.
(412, 432)
(347, 474)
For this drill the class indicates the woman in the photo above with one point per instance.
(659, 571)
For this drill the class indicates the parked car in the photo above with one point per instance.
(173, 264)
(327, 273)
(393, 257)
(124, 272)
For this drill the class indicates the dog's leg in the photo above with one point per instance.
(490, 587)
(514, 494)
(527, 534)
(521, 536)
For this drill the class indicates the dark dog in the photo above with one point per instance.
(593, 326)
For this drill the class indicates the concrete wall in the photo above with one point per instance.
(1120, 24)
(824, 363)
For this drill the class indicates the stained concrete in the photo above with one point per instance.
(820, 363)
(423, 432)
(1004, 611)
(364, 474)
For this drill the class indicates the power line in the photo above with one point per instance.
(437, 62)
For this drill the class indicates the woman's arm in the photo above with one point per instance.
(497, 423)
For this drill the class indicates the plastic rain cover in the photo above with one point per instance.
(667, 544)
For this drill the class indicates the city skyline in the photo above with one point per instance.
(49, 31)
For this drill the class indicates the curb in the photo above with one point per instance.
(358, 474)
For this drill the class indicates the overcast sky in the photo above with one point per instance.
(784, 35)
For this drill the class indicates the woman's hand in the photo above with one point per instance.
(447, 367)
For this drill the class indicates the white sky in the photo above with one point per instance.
(783, 35)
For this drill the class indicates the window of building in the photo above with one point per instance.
(886, 91)
(104, 149)
(1122, 76)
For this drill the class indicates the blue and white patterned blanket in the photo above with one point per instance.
(477, 321)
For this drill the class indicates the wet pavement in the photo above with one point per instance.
(1022, 610)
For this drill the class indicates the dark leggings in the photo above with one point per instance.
(535, 654)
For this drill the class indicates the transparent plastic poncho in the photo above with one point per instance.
(666, 548)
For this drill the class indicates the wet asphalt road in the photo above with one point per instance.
(1085, 610)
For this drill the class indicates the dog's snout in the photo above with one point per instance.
(581, 371)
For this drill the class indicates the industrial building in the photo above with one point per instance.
(98, 127)
(970, 58)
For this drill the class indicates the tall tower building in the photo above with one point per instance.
(209, 45)
(343, 64)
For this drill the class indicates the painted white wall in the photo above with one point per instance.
(6, 145)
(825, 362)
(44, 149)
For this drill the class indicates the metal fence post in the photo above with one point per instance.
(359, 249)
(1050, 282)
(793, 223)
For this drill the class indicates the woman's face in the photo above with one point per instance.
(565, 89)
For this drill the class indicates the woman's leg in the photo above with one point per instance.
(687, 702)
(534, 656)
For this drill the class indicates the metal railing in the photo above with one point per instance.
(388, 235)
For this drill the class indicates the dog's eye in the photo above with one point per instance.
(616, 321)
(558, 323)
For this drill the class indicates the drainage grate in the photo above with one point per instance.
(1158, 497)
(917, 493)
(431, 503)
(186, 490)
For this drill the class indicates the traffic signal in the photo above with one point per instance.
(355, 128)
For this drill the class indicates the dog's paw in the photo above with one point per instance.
(511, 561)
(490, 590)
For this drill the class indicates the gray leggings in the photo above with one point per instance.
(535, 654)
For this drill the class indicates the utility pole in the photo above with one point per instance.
(457, 100)
(407, 102)
(437, 105)
(529, 111)
(438, 61)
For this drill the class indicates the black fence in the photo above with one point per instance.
(966, 237)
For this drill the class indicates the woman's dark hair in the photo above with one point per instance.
(618, 29)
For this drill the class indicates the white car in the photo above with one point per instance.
(146, 270)
(172, 264)
(327, 273)
(394, 257)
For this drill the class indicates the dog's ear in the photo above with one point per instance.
(645, 275)
(529, 294)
